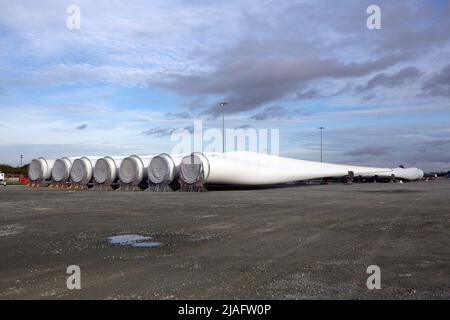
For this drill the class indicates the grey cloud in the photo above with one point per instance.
(344, 89)
(302, 112)
(280, 51)
(430, 158)
(370, 151)
(270, 113)
(434, 143)
(163, 132)
(82, 127)
(438, 84)
(160, 132)
(421, 41)
(421, 145)
(244, 126)
(393, 80)
(309, 94)
(178, 115)
(250, 83)
(368, 97)
(197, 103)
(412, 36)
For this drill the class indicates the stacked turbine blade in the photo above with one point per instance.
(162, 172)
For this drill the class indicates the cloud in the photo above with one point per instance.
(411, 30)
(250, 83)
(302, 112)
(82, 127)
(270, 113)
(164, 132)
(306, 56)
(439, 83)
(370, 151)
(178, 115)
(422, 145)
(244, 126)
(283, 50)
(245, 52)
(198, 103)
(435, 143)
(309, 94)
(159, 132)
(393, 80)
(75, 73)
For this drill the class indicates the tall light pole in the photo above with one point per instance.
(321, 142)
(21, 157)
(222, 105)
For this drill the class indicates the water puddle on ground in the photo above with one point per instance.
(134, 240)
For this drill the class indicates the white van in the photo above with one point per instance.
(2, 179)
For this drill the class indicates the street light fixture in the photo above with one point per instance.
(221, 105)
(321, 142)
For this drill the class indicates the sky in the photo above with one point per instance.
(136, 70)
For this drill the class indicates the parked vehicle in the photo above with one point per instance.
(2, 179)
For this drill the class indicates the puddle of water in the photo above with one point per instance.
(146, 244)
(134, 240)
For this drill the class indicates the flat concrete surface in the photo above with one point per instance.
(303, 242)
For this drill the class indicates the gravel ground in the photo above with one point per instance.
(301, 242)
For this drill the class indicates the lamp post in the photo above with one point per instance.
(221, 105)
(321, 142)
(21, 157)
